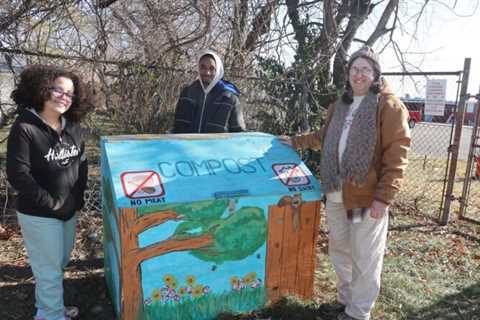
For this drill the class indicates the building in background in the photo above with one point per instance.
(418, 104)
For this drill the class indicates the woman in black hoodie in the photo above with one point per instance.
(46, 165)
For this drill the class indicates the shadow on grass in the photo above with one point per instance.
(289, 308)
(84, 286)
(461, 306)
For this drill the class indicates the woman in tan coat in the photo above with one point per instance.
(364, 155)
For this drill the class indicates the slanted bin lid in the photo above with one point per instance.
(154, 169)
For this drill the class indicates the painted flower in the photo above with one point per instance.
(183, 291)
(173, 284)
(234, 281)
(156, 295)
(148, 301)
(197, 291)
(168, 279)
(164, 291)
(256, 283)
(190, 280)
(250, 277)
(171, 293)
(206, 290)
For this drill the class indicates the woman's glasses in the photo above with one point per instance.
(364, 71)
(58, 92)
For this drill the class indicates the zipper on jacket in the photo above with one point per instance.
(201, 114)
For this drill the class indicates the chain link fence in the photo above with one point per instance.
(425, 176)
(469, 201)
(423, 185)
(277, 106)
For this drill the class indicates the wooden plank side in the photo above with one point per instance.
(306, 250)
(276, 217)
(291, 230)
(317, 248)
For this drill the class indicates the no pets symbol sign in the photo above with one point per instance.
(290, 174)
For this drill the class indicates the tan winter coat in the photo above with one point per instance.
(386, 173)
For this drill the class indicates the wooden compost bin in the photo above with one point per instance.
(199, 224)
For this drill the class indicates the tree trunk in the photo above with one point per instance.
(131, 255)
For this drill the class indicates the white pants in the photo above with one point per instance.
(356, 251)
(49, 243)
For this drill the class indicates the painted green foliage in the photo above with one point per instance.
(236, 235)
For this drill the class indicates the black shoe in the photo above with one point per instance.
(329, 308)
(344, 316)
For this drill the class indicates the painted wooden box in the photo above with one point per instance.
(199, 224)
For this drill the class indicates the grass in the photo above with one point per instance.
(430, 272)
(208, 306)
(424, 265)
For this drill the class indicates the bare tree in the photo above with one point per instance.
(128, 46)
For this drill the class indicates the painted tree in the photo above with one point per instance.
(211, 230)
(235, 234)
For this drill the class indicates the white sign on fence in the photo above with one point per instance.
(435, 100)
(471, 105)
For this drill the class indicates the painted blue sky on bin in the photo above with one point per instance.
(173, 169)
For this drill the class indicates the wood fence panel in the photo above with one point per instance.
(307, 243)
(276, 218)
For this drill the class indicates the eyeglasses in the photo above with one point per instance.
(58, 92)
(364, 71)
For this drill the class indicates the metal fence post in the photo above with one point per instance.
(445, 215)
(470, 161)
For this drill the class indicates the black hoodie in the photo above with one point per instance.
(48, 170)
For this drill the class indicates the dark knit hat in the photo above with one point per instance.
(367, 53)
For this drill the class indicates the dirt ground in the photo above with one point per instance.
(85, 285)
(84, 282)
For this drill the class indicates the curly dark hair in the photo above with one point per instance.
(377, 84)
(35, 85)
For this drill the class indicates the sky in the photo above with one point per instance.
(443, 40)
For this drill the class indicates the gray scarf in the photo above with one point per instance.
(360, 148)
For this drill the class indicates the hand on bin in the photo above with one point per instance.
(286, 140)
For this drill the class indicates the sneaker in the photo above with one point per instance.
(71, 312)
(344, 316)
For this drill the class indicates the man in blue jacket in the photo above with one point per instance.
(210, 104)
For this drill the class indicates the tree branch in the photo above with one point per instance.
(172, 245)
(260, 25)
(381, 27)
(154, 219)
(359, 12)
(103, 4)
(7, 20)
